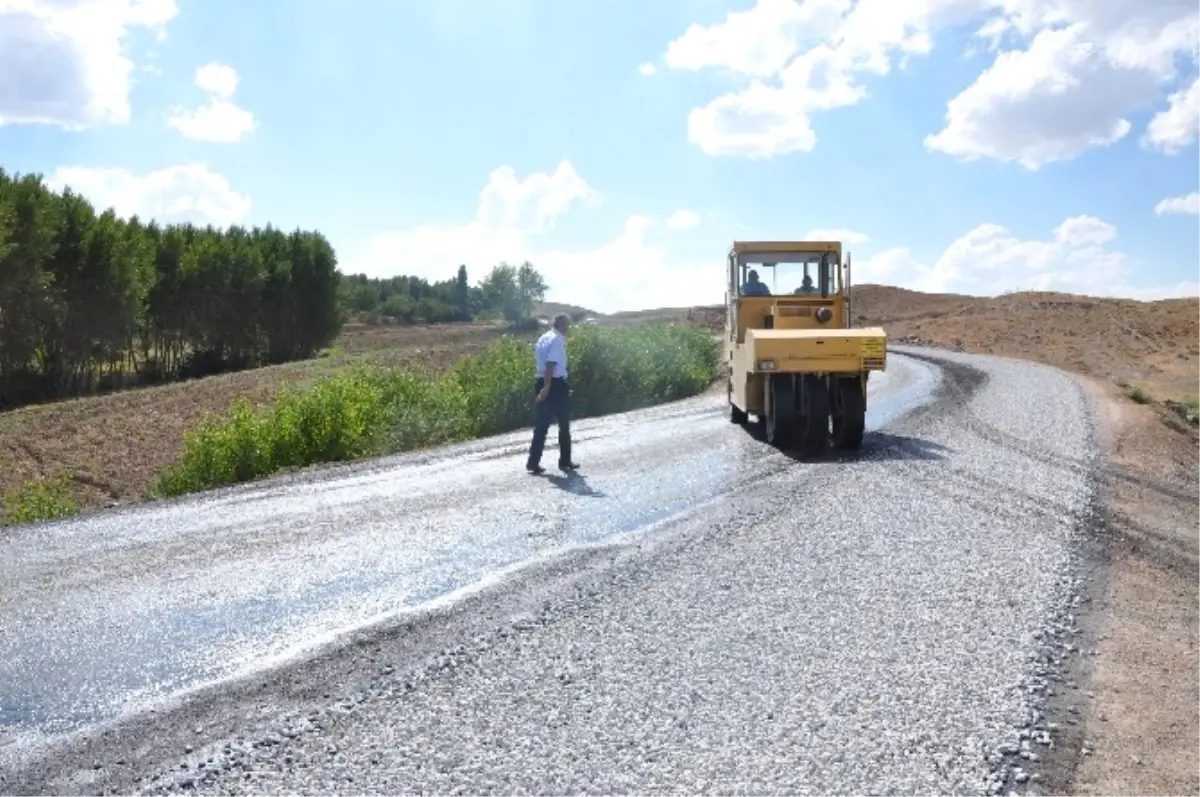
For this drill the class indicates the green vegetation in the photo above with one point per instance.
(90, 302)
(41, 499)
(1138, 395)
(1191, 401)
(508, 292)
(371, 411)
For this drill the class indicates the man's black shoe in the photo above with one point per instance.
(536, 470)
(567, 466)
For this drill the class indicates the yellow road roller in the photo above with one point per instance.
(795, 363)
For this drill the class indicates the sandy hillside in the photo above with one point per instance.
(1152, 344)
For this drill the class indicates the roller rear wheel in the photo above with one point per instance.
(781, 410)
(815, 414)
(849, 415)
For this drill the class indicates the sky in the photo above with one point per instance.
(966, 146)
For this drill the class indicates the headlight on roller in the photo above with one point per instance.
(824, 314)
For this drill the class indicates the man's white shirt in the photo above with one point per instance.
(551, 347)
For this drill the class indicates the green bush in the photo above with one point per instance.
(1139, 396)
(371, 410)
(497, 385)
(41, 499)
(616, 370)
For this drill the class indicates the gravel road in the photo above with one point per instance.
(696, 612)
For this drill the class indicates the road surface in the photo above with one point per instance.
(693, 612)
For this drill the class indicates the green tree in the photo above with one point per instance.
(513, 291)
(462, 296)
(89, 301)
(531, 288)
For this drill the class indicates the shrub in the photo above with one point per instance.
(615, 370)
(418, 411)
(41, 499)
(497, 385)
(372, 410)
(1139, 396)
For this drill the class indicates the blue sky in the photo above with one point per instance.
(383, 127)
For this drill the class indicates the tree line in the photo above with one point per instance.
(90, 302)
(508, 292)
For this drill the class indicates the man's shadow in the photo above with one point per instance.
(574, 483)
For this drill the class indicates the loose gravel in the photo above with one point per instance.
(889, 623)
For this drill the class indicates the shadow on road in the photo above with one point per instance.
(884, 447)
(876, 447)
(575, 484)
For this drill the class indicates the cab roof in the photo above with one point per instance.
(750, 247)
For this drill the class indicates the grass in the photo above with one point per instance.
(372, 410)
(39, 499)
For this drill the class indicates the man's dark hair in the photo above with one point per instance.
(561, 321)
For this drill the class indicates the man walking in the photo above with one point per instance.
(551, 396)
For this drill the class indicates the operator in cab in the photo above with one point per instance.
(806, 286)
(753, 287)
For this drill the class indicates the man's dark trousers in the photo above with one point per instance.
(558, 405)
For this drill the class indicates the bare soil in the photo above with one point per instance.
(1141, 730)
(1152, 345)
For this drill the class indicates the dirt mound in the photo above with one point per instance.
(1153, 345)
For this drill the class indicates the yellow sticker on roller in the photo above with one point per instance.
(873, 346)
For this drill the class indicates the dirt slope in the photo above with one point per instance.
(1151, 344)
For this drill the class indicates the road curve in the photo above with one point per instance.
(752, 623)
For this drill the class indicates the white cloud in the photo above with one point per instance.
(1174, 128)
(845, 236)
(1084, 231)
(220, 120)
(1075, 85)
(1026, 107)
(758, 42)
(187, 192)
(683, 220)
(647, 69)
(990, 260)
(1073, 72)
(628, 272)
(1189, 203)
(64, 62)
(761, 120)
